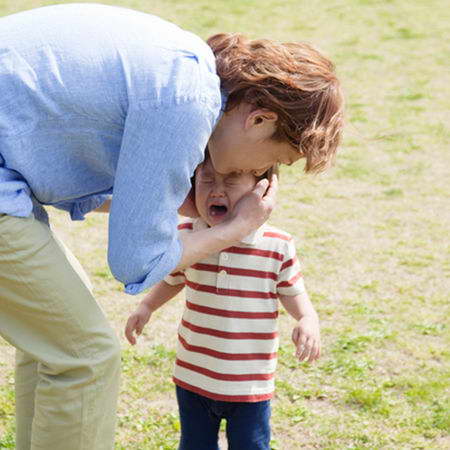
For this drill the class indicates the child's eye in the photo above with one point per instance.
(206, 180)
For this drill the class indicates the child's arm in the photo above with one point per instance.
(161, 293)
(306, 334)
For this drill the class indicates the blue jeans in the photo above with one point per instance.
(248, 424)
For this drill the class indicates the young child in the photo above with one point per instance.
(228, 340)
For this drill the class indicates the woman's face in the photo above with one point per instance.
(258, 158)
(241, 142)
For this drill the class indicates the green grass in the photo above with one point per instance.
(372, 235)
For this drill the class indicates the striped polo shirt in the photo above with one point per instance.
(228, 338)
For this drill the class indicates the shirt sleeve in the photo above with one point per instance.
(290, 278)
(160, 150)
(79, 208)
(175, 278)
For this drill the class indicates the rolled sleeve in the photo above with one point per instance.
(160, 150)
(163, 265)
(79, 208)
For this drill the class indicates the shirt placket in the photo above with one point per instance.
(222, 274)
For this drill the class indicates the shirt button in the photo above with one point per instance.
(225, 257)
(222, 273)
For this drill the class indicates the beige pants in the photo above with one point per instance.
(68, 357)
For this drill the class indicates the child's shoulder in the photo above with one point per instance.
(278, 240)
(271, 232)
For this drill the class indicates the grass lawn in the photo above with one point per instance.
(373, 236)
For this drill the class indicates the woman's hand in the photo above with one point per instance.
(252, 210)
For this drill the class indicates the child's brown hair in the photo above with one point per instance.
(292, 79)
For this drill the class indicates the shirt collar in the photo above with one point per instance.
(250, 239)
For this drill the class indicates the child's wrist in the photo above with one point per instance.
(310, 316)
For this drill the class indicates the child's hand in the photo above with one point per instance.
(306, 337)
(136, 323)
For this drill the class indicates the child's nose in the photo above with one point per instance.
(218, 191)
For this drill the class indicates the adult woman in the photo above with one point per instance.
(125, 104)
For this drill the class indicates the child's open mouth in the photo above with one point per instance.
(217, 210)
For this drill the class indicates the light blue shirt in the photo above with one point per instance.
(96, 100)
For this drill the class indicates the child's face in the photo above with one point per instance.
(216, 194)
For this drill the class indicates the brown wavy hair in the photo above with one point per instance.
(293, 80)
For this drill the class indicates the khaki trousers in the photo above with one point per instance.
(68, 357)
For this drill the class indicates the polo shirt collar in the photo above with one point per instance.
(251, 239)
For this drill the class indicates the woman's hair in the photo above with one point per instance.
(293, 80)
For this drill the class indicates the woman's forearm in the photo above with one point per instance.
(200, 244)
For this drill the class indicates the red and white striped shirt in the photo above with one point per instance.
(228, 338)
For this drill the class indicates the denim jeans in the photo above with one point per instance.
(248, 424)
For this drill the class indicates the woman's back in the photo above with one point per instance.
(69, 77)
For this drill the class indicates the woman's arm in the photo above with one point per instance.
(161, 147)
(250, 213)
